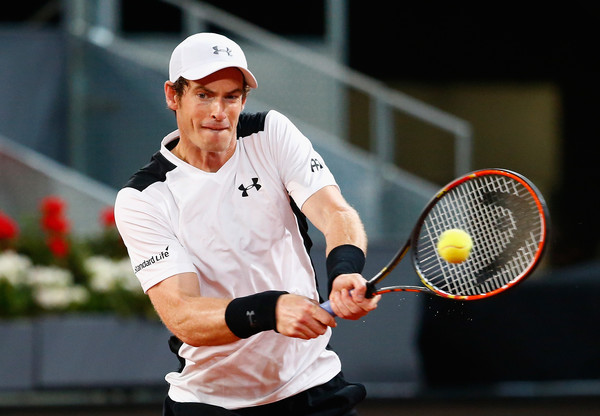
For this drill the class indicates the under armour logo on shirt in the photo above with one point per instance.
(245, 189)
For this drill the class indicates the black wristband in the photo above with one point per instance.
(344, 259)
(252, 314)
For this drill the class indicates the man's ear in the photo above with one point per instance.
(171, 96)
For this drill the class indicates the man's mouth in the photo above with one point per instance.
(216, 127)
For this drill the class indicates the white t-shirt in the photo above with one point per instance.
(240, 230)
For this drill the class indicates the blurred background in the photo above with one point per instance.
(398, 102)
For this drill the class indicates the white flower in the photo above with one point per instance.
(56, 297)
(50, 276)
(107, 274)
(53, 287)
(14, 267)
(129, 280)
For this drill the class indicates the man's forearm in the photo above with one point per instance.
(345, 227)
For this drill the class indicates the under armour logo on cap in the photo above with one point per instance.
(218, 50)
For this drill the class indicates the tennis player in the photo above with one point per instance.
(216, 229)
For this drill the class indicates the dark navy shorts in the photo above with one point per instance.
(334, 398)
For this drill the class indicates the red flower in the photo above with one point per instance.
(8, 227)
(107, 217)
(55, 224)
(58, 246)
(53, 206)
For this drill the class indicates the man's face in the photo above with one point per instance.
(207, 115)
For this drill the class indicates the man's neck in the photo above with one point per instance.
(205, 161)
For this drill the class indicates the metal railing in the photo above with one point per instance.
(384, 101)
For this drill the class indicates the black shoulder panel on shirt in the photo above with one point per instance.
(251, 123)
(155, 171)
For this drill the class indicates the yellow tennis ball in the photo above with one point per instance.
(455, 245)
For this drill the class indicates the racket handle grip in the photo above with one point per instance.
(327, 306)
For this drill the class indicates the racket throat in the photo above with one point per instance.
(370, 292)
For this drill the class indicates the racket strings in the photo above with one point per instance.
(502, 218)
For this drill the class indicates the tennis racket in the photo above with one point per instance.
(506, 217)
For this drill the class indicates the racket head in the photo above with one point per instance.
(507, 219)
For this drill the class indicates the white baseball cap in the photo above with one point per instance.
(202, 54)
